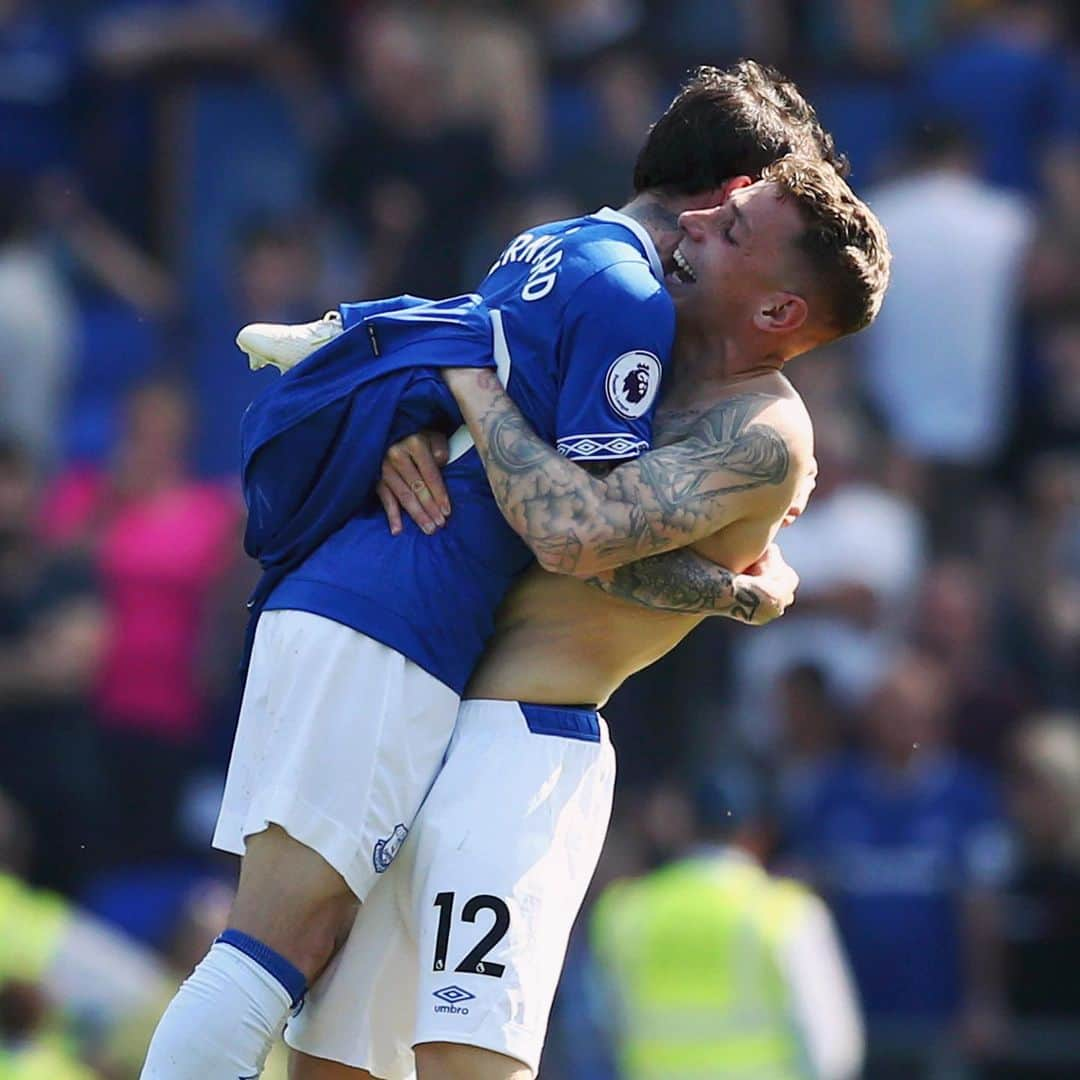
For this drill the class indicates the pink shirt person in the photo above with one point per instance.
(161, 542)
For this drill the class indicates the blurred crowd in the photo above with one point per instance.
(173, 169)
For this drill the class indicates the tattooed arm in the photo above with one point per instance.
(688, 583)
(580, 524)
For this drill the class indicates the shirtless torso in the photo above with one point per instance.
(560, 639)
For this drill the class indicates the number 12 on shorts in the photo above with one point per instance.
(474, 963)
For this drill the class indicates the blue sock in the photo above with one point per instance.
(291, 978)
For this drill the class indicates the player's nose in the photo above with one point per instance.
(695, 222)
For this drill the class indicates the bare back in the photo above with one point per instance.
(561, 640)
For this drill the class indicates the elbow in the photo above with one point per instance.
(564, 553)
(583, 565)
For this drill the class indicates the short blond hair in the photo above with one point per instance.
(844, 244)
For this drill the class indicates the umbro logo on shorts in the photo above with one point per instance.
(386, 850)
(452, 998)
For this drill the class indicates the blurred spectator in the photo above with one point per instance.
(125, 301)
(142, 58)
(1047, 541)
(871, 35)
(1046, 530)
(716, 969)
(160, 542)
(494, 80)
(1050, 421)
(702, 32)
(92, 976)
(1042, 903)
(275, 278)
(1009, 82)
(36, 329)
(857, 55)
(579, 1045)
(575, 31)
(626, 91)
(954, 622)
(905, 840)
(104, 260)
(938, 359)
(61, 972)
(812, 731)
(78, 999)
(859, 549)
(133, 36)
(52, 637)
(30, 1047)
(38, 71)
(404, 174)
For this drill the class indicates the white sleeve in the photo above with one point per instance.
(824, 1002)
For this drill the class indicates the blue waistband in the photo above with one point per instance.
(570, 721)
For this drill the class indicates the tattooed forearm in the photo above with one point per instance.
(682, 581)
(580, 524)
(514, 445)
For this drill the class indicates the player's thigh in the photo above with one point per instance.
(506, 845)
(291, 899)
(452, 1061)
(305, 1067)
(338, 740)
(360, 1012)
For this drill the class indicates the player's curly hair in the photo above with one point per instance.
(727, 122)
(844, 245)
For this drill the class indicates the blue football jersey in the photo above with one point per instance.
(582, 329)
(894, 855)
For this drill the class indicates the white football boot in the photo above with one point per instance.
(285, 346)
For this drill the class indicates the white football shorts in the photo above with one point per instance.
(463, 940)
(339, 740)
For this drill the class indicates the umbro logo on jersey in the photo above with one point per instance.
(386, 850)
(452, 998)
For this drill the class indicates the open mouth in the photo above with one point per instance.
(683, 272)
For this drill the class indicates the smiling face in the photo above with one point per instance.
(733, 267)
(778, 267)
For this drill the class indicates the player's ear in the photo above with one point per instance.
(729, 187)
(781, 313)
(717, 196)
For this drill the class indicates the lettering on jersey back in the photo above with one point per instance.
(543, 254)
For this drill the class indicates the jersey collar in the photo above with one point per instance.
(605, 213)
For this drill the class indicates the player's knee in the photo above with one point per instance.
(453, 1061)
(292, 900)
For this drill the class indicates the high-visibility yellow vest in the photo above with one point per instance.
(42, 1060)
(691, 953)
(32, 923)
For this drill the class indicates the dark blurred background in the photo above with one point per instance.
(173, 169)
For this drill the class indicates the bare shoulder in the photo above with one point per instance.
(778, 438)
(764, 418)
(790, 415)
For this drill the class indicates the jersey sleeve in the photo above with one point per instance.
(619, 327)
